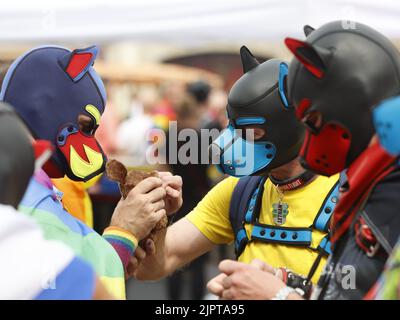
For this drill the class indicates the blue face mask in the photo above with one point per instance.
(386, 118)
(238, 157)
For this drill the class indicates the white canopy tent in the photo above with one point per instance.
(184, 22)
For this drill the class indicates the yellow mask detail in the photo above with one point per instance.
(82, 168)
(94, 112)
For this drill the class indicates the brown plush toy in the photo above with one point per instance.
(127, 180)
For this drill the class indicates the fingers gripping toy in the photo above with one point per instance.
(127, 180)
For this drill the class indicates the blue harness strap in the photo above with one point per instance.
(325, 246)
(244, 202)
(288, 236)
(245, 208)
(323, 217)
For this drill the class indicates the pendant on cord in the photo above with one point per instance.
(280, 209)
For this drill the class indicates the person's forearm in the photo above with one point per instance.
(180, 244)
(159, 264)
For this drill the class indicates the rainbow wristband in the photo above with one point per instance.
(122, 241)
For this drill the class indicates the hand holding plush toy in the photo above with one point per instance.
(127, 180)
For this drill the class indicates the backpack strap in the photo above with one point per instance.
(244, 202)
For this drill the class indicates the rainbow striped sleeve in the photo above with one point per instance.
(122, 241)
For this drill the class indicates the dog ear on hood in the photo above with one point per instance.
(313, 58)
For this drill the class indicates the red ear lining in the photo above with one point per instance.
(301, 50)
(78, 63)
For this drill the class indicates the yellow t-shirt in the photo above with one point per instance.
(211, 217)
